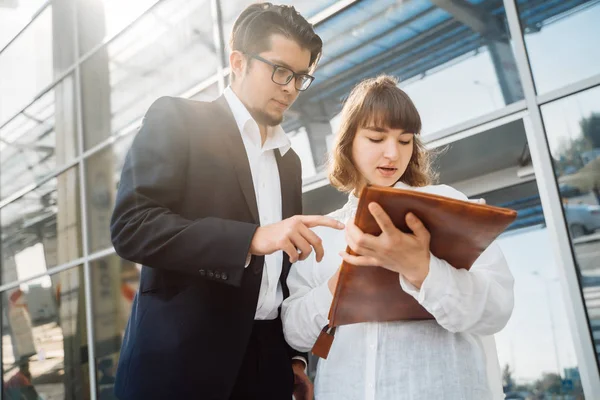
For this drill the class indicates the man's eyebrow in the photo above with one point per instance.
(284, 64)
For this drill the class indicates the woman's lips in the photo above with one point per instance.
(387, 171)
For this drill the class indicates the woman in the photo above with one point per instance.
(451, 357)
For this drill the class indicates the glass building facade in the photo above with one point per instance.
(510, 89)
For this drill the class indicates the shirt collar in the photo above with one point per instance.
(353, 200)
(276, 137)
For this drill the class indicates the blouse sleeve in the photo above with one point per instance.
(479, 300)
(305, 312)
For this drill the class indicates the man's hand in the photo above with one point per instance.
(293, 236)
(303, 387)
(405, 253)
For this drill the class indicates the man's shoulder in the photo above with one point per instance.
(179, 104)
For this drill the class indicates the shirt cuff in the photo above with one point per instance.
(248, 258)
(434, 286)
(303, 360)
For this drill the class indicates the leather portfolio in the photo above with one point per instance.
(460, 232)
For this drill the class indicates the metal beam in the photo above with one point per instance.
(475, 17)
(489, 26)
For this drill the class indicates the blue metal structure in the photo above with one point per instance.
(409, 38)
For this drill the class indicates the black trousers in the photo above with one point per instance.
(266, 371)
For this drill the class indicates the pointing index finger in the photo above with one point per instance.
(312, 221)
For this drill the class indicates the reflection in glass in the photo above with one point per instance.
(535, 349)
(455, 60)
(24, 73)
(99, 20)
(103, 171)
(209, 94)
(562, 40)
(13, 19)
(232, 8)
(114, 284)
(41, 229)
(165, 53)
(39, 139)
(573, 129)
(44, 342)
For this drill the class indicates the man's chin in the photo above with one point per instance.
(268, 119)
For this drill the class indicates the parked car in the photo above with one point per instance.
(582, 219)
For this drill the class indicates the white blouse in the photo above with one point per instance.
(452, 357)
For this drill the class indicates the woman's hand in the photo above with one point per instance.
(405, 253)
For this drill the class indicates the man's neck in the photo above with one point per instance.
(261, 127)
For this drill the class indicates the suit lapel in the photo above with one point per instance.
(238, 156)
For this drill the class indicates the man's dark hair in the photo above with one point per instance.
(253, 28)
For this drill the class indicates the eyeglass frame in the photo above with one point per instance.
(294, 75)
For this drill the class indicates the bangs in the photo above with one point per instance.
(389, 107)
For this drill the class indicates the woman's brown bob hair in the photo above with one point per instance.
(380, 102)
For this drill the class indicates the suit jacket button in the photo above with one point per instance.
(211, 274)
(217, 275)
(202, 272)
(224, 276)
(256, 269)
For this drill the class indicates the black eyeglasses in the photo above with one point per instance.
(283, 75)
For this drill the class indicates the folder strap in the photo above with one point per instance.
(324, 341)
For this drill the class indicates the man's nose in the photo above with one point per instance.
(290, 87)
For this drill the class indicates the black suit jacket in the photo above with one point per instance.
(186, 210)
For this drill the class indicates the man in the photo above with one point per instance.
(210, 202)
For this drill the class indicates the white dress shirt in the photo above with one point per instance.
(451, 357)
(267, 188)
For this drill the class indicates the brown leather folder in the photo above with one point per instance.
(460, 232)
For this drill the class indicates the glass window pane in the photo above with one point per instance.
(42, 228)
(14, 15)
(536, 348)
(165, 53)
(25, 73)
(456, 62)
(103, 172)
(114, 284)
(562, 40)
(39, 139)
(573, 129)
(209, 94)
(44, 344)
(231, 9)
(99, 20)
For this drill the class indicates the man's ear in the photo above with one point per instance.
(238, 62)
